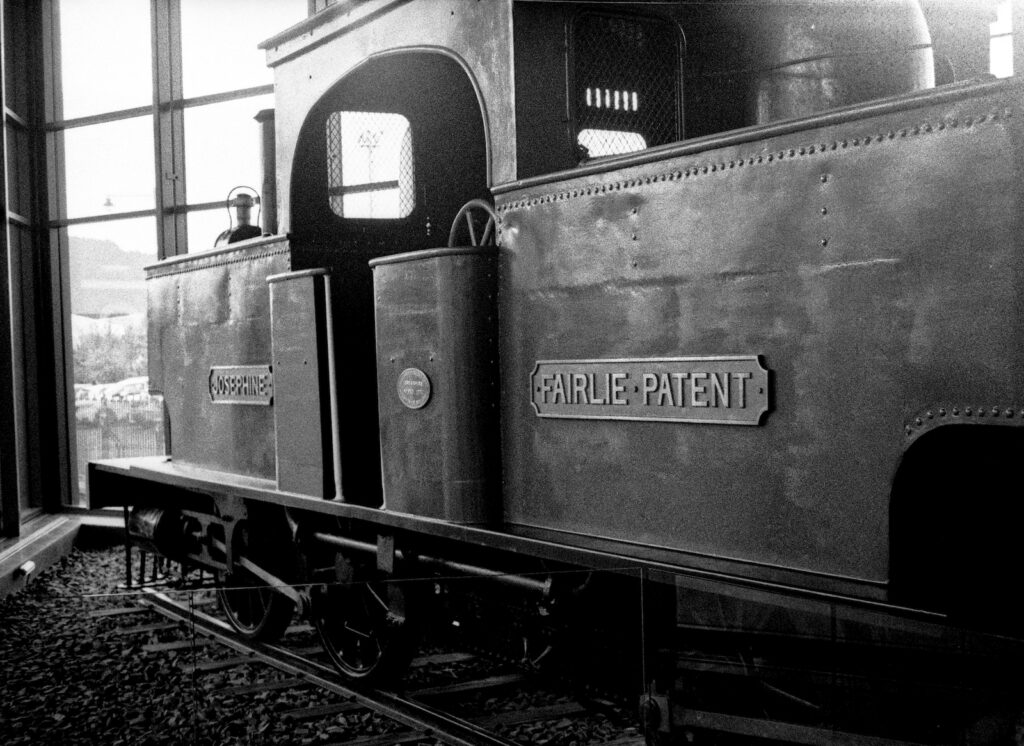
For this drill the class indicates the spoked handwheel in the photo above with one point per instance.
(476, 221)
(254, 609)
(363, 622)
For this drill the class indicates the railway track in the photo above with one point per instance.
(441, 699)
(449, 697)
(88, 662)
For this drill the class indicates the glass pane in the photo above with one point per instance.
(1004, 19)
(369, 164)
(109, 167)
(114, 414)
(222, 148)
(22, 244)
(219, 42)
(16, 57)
(1001, 47)
(610, 142)
(106, 62)
(204, 226)
(18, 191)
(1001, 56)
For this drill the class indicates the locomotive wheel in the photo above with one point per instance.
(256, 611)
(362, 621)
(473, 213)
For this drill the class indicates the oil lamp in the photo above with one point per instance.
(240, 226)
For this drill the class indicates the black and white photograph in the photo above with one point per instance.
(512, 373)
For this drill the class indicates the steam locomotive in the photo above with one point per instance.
(721, 296)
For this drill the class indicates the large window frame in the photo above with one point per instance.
(168, 111)
(29, 412)
(171, 206)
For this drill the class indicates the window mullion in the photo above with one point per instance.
(9, 505)
(168, 128)
(56, 239)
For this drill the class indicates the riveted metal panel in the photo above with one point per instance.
(209, 310)
(301, 370)
(870, 258)
(437, 383)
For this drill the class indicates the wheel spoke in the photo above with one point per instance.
(357, 632)
(376, 597)
(487, 230)
(472, 211)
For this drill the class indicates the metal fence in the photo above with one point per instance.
(118, 429)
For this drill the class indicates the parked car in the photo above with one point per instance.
(134, 390)
(125, 400)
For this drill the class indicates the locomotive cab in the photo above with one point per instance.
(383, 162)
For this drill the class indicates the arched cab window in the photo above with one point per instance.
(369, 165)
(625, 83)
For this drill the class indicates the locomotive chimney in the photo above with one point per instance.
(268, 154)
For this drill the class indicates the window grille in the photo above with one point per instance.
(369, 165)
(626, 83)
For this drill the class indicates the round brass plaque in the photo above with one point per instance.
(414, 388)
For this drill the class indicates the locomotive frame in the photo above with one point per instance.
(624, 291)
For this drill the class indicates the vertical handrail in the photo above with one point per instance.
(333, 388)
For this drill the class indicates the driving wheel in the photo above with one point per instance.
(254, 609)
(362, 621)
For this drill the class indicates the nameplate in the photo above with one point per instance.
(729, 390)
(241, 384)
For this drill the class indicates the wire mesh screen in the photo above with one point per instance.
(626, 83)
(369, 164)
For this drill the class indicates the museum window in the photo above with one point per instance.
(25, 358)
(152, 123)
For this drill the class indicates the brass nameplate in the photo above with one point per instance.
(241, 384)
(711, 390)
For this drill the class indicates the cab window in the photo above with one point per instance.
(369, 164)
(625, 72)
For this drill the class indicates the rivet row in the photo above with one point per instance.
(957, 412)
(691, 171)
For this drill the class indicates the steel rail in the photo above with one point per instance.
(433, 723)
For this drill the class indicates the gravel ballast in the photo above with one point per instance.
(80, 669)
(74, 676)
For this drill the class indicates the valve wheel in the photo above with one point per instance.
(472, 215)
